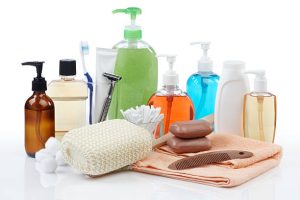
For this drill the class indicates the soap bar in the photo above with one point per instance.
(191, 129)
(179, 145)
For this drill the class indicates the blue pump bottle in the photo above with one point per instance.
(202, 86)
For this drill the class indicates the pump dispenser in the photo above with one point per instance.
(174, 103)
(259, 114)
(136, 63)
(131, 31)
(39, 114)
(205, 63)
(202, 86)
(170, 77)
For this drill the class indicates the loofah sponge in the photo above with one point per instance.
(107, 146)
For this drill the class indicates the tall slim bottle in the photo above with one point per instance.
(174, 103)
(136, 63)
(39, 114)
(259, 118)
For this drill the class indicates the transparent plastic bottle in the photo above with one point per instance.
(174, 103)
(136, 63)
(259, 114)
(202, 86)
(202, 89)
(69, 96)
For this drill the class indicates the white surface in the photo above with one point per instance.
(263, 33)
(21, 179)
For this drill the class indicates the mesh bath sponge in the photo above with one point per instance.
(107, 146)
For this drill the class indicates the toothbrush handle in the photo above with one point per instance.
(91, 88)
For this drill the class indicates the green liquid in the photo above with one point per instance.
(138, 68)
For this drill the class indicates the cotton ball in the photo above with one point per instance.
(48, 165)
(52, 145)
(60, 159)
(42, 154)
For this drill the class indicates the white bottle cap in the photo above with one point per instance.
(233, 69)
(205, 63)
(260, 81)
(170, 77)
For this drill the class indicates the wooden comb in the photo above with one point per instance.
(208, 158)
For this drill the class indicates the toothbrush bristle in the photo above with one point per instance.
(84, 47)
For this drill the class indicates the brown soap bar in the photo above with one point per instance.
(195, 145)
(191, 129)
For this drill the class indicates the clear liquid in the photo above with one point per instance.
(70, 104)
(138, 68)
(202, 89)
(260, 116)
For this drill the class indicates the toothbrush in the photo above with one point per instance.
(84, 50)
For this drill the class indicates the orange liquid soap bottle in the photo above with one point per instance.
(39, 114)
(174, 103)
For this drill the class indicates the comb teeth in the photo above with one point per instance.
(201, 160)
(208, 158)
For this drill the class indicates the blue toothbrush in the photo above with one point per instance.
(84, 50)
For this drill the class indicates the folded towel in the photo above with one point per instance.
(225, 174)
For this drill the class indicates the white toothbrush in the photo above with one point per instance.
(84, 50)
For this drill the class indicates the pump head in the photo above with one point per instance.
(170, 77)
(132, 31)
(205, 63)
(39, 83)
(260, 81)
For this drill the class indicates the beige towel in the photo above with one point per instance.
(226, 174)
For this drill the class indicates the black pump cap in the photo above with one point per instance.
(67, 67)
(39, 83)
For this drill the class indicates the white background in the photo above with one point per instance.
(265, 34)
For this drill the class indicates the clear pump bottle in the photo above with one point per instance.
(69, 96)
(202, 86)
(259, 116)
(39, 114)
(174, 103)
(136, 63)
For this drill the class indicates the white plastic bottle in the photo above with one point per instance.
(233, 86)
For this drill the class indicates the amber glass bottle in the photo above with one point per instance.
(39, 114)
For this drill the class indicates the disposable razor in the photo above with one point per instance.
(113, 80)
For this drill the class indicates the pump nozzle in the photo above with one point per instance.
(39, 83)
(38, 65)
(132, 11)
(132, 31)
(205, 63)
(260, 81)
(170, 77)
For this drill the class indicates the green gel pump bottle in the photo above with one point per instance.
(137, 64)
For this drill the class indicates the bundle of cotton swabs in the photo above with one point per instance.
(145, 116)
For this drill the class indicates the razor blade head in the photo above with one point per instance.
(112, 77)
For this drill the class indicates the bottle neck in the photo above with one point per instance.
(67, 78)
(38, 93)
(170, 88)
(132, 43)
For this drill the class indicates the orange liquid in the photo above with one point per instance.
(174, 108)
